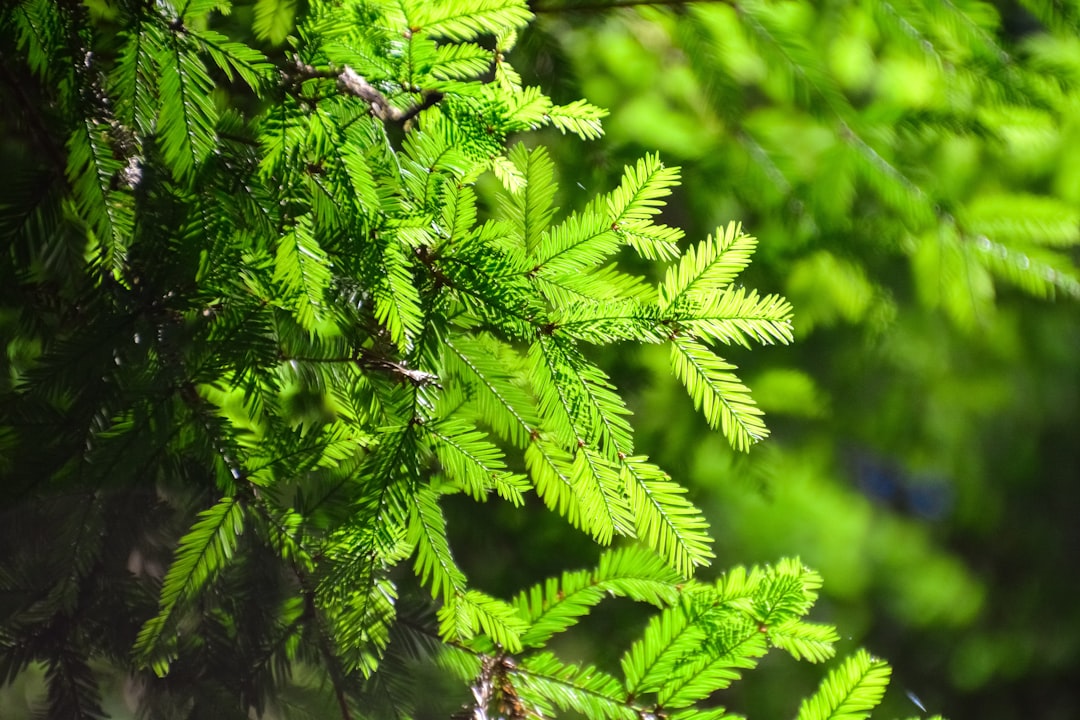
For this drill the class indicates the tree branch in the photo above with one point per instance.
(365, 358)
(352, 83)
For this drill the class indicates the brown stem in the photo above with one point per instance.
(352, 83)
(366, 358)
(332, 668)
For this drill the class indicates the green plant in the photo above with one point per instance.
(257, 326)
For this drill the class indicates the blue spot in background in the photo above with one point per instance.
(925, 495)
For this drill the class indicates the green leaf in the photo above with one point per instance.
(302, 268)
(91, 169)
(1034, 219)
(651, 241)
(723, 399)
(493, 377)
(360, 623)
(232, 57)
(458, 216)
(599, 493)
(547, 683)
(785, 590)
(550, 468)
(850, 691)
(454, 61)
(668, 639)
(38, 27)
(527, 108)
(435, 563)
(529, 209)
(582, 241)
(397, 301)
(1036, 270)
(578, 399)
(596, 286)
(557, 604)
(579, 117)
(949, 275)
(73, 690)
(473, 462)
(474, 611)
(803, 640)
(188, 116)
(361, 176)
(466, 19)
(201, 554)
(664, 519)
(135, 80)
(638, 573)
(640, 195)
(274, 20)
(733, 643)
(696, 713)
(606, 321)
(196, 10)
(736, 316)
(709, 267)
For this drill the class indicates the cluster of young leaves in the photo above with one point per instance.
(703, 638)
(258, 330)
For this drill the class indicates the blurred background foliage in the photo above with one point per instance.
(912, 170)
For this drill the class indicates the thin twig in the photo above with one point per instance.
(367, 359)
(352, 83)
